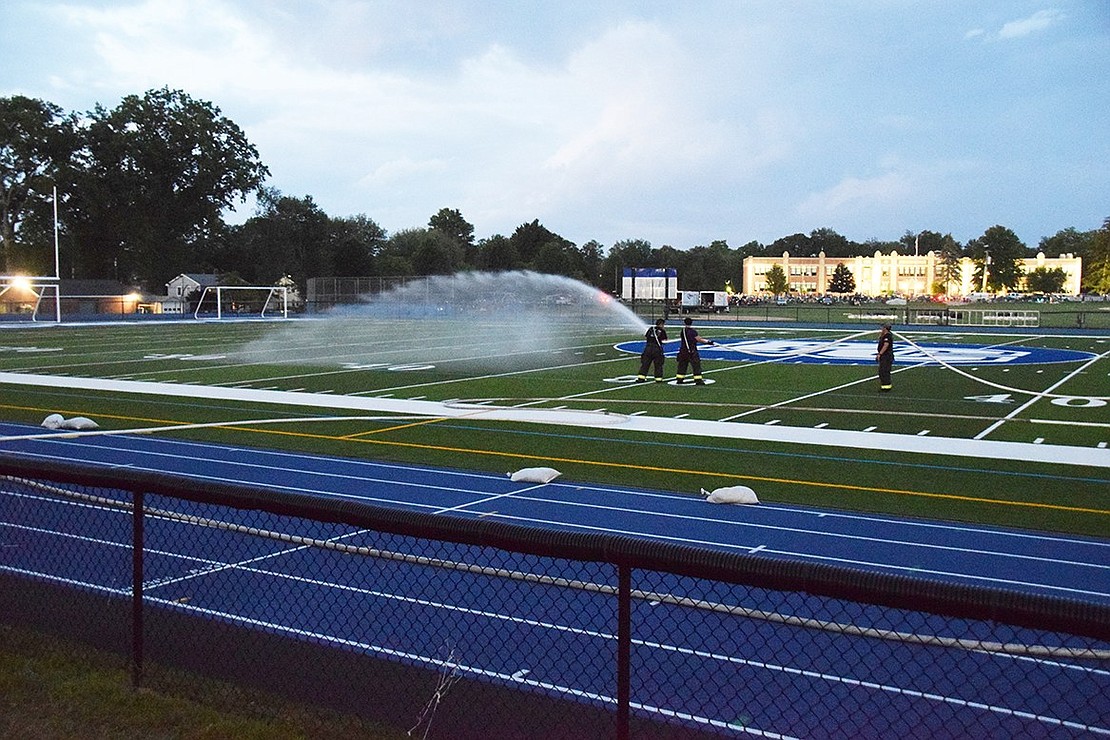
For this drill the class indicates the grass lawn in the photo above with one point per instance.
(567, 364)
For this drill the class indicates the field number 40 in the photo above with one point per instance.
(1075, 402)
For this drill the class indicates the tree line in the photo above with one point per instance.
(143, 190)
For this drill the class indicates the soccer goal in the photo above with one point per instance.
(242, 300)
(23, 294)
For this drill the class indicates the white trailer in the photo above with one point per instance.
(703, 301)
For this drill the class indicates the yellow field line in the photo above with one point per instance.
(610, 464)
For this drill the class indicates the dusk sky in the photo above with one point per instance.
(675, 122)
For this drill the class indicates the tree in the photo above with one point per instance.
(593, 258)
(497, 253)
(828, 241)
(949, 268)
(1067, 241)
(776, 280)
(286, 236)
(424, 251)
(36, 141)
(1044, 280)
(356, 241)
(450, 223)
(151, 182)
(843, 281)
(1096, 266)
(528, 238)
(998, 252)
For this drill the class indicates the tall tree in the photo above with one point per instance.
(286, 236)
(36, 141)
(949, 268)
(828, 241)
(843, 281)
(1096, 266)
(497, 253)
(450, 223)
(356, 241)
(776, 280)
(1067, 241)
(998, 252)
(152, 181)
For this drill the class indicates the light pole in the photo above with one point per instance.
(986, 268)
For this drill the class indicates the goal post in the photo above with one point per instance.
(30, 291)
(244, 300)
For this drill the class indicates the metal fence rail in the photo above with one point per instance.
(459, 627)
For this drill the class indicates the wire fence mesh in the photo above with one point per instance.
(447, 627)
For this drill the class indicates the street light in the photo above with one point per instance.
(986, 268)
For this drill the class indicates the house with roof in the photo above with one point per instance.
(183, 286)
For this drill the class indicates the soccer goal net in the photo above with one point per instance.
(220, 301)
(36, 297)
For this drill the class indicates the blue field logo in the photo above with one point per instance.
(814, 351)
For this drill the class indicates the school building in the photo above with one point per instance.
(891, 274)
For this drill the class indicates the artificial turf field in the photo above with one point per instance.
(800, 380)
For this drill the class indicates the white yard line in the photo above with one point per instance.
(928, 445)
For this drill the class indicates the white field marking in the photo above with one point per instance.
(1038, 440)
(923, 432)
(1047, 393)
(71, 434)
(463, 507)
(811, 556)
(796, 399)
(772, 422)
(636, 493)
(1036, 394)
(818, 533)
(978, 448)
(822, 425)
(313, 490)
(870, 429)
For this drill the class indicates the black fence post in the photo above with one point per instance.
(137, 589)
(624, 650)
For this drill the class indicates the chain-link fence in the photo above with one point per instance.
(460, 627)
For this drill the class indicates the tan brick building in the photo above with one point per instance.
(889, 274)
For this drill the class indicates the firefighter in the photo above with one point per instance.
(884, 355)
(688, 352)
(653, 352)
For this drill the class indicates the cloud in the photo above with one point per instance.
(854, 195)
(1035, 23)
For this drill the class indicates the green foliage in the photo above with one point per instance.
(1067, 241)
(36, 141)
(776, 280)
(842, 280)
(998, 252)
(1043, 280)
(1096, 268)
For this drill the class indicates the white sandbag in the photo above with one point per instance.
(79, 423)
(535, 475)
(730, 495)
(53, 421)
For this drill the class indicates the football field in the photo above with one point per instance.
(999, 426)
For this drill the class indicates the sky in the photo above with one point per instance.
(678, 123)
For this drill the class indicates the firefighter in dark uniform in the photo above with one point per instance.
(884, 355)
(688, 353)
(653, 352)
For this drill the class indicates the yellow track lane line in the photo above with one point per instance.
(604, 463)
